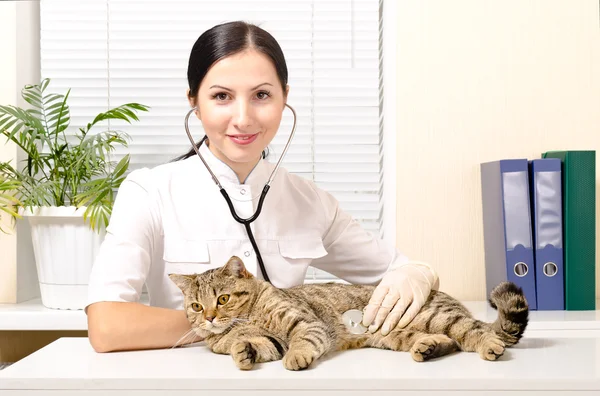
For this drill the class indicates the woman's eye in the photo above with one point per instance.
(220, 96)
(197, 307)
(223, 299)
(262, 95)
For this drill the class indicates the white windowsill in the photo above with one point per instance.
(32, 315)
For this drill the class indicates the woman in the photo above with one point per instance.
(173, 219)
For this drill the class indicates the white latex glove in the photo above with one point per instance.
(399, 296)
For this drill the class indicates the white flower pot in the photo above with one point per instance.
(65, 248)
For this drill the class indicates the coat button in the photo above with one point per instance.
(242, 191)
(247, 253)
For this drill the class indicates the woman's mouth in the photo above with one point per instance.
(242, 139)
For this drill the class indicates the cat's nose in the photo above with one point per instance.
(210, 318)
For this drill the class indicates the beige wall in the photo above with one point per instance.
(8, 70)
(479, 81)
(19, 65)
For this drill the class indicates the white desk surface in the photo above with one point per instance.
(564, 363)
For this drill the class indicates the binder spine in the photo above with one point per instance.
(548, 233)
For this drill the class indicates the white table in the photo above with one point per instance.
(558, 362)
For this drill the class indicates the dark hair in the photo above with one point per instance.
(228, 39)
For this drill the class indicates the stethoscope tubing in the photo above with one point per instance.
(249, 220)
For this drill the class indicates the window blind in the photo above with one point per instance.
(111, 52)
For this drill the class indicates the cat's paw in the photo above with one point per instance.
(430, 347)
(298, 359)
(491, 348)
(243, 354)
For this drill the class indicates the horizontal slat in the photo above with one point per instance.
(347, 179)
(352, 168)
(348, 158)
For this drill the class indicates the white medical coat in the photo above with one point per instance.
(173, 219)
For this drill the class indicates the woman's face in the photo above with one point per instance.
(240, 103)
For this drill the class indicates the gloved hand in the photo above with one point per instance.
(399, 296)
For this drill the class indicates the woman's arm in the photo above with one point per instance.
(119, 326)
(116, 319)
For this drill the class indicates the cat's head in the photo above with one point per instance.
(218, 298)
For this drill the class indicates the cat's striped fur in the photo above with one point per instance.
(260, 323)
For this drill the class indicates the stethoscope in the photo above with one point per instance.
(248, 221)
(351, 318)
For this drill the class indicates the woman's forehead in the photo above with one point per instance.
(243, 70)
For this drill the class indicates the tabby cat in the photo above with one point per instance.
(254, 322)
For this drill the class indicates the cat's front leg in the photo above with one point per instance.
(308, 342)
(248, 345)
(259, 349)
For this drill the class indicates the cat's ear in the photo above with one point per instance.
(182, 281)
(236, 268)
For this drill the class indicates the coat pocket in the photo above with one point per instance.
(302, 248)
(182, 256)
(288, 266)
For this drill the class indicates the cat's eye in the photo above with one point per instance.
(197, 307)
(223, 299)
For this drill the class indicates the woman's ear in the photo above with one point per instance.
(192, 102)
(285, 94)
(190, 99)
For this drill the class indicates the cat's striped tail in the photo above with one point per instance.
(513, 312)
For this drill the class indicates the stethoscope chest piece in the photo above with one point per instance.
(352, 320)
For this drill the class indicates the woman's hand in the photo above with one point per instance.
(399, 297)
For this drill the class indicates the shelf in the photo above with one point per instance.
(32, 315)
(544, 320)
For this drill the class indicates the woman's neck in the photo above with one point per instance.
(241, 169)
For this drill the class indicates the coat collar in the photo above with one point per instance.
(256, 179)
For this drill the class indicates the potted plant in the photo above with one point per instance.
(65, 187)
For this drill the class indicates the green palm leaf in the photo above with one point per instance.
(122, 112)
(8, 202)
(33, 95)
(21, 127)
(57, 113)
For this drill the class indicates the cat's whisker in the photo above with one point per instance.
(187, 336)
(234, 321)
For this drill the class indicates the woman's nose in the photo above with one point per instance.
(243, 117)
